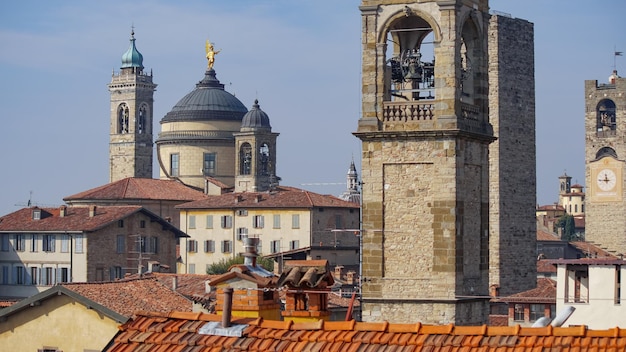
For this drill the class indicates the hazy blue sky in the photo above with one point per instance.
(300, 58)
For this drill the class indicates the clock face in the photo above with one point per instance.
(606, 179)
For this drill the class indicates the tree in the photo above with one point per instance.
(568, 227)
(222, 266)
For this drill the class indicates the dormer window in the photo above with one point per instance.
(36, 214)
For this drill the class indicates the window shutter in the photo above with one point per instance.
(44, 276)
(14, 278)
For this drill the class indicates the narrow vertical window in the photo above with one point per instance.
(33, 242)
(34, 275)
(295, 221)
(65, 243)
(208, 165)
(258, 221)
(192, 221)
(618, 284)
(141, 120)
(121, 244)
(174, 164)
(276, 224)
(78, 244)
(245, 159)
(48, 243)
(5, 242)
(20, 243)
(122, 115)
(209, 221)
(227, 221)
(264, 160)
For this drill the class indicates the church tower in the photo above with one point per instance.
(425, 136)
(605, 154)
(255, 170)
(130, 142)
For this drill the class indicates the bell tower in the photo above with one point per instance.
(425, 136)
(255, 170)
(130, 141)
(605, 155)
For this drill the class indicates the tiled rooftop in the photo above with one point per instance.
(140, 188)
(129, 296)
(75, 218)
(546, 236)
(180, 332)
(590, 250)
(283, 197)
(545, 292)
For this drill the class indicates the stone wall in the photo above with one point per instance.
(512, 157)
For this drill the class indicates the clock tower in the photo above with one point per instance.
(605, 155)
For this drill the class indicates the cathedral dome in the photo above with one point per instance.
(132, 57)
(255, 118)
(208, 101)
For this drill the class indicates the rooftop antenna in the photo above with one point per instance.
(615, 55)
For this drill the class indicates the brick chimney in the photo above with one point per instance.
(254, 293)
(308, 285)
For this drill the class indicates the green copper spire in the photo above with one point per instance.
(132, 57)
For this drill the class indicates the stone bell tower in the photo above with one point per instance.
(605, 158)
(255, 170)
(130, 141)
(425, 136)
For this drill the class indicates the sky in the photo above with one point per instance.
(300, 58)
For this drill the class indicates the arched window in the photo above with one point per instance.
(264, 160)
(470, 56)
(606, 151)
(141, 120)
(410, 59)
(245, 159)
(605, 115)
(122, 116)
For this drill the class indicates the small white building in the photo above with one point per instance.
(593, 287)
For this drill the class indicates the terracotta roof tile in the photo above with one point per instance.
(261, 335)
(590, 250)
(545, 292)
(283, 197)
(140, 188)
(546, 236)
(127, 297)
(75, 218)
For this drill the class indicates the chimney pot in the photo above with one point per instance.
(228, 307)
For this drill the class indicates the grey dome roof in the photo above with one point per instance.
(208, 101)
(255, 118)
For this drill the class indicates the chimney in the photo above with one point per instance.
(174, 282)
(350, 277)
(92, 211)
(250, 252)
(238, 198)
(494, 290)
(62, 210)
(258, 198)
(228, 307)
(338, 272)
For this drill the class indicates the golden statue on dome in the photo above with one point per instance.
(210, 53)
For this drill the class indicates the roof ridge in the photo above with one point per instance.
(418, 328)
